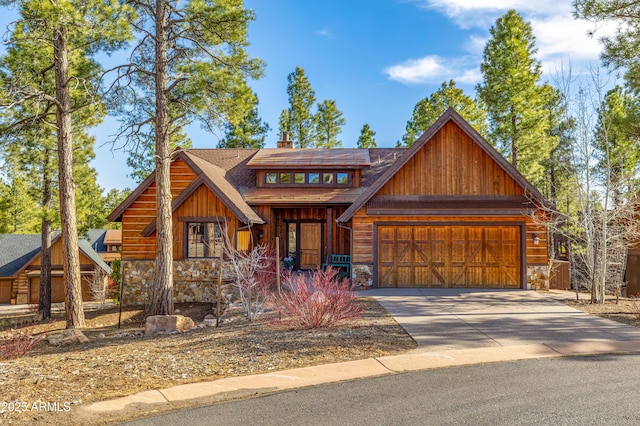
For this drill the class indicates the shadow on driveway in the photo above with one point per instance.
(444, 319)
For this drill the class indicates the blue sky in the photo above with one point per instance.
(377, 59)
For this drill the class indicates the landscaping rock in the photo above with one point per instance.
(165, 324)
(68, 337)
(209, 320)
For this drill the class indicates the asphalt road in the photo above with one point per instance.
(598, 390)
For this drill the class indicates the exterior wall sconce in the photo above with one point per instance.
(260, 234)
(536, 239)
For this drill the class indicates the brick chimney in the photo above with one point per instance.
(285, 142)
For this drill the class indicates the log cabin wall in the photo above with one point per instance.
(143, 211)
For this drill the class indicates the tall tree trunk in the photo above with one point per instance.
(162, 303)
(44, 301)
(70, 252)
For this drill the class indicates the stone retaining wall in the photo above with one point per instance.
(193, 280)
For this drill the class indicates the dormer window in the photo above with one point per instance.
(299, 178)
(285, 178)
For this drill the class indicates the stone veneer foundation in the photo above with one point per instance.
(193, 280)
(538, 277)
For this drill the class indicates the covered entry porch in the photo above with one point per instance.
(307, 235)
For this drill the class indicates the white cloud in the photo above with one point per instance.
(432, 69)
(561, 40)
(472, 13)
(324, 32)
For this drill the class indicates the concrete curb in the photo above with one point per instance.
(330, 373)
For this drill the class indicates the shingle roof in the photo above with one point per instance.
(228, 173)
(16, 250)
(96, 239)
(227, 191)
(85, 246)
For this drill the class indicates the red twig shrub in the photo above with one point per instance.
(16, 342)
(316, 300)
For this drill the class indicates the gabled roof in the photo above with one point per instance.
(214, 177)
(96, 239)
(19, 250)
(85, 247)
(217, 169)
(16, 251)
(284, 158)
(449, 115)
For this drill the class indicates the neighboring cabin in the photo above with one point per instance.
(448, 212)
(20, 266)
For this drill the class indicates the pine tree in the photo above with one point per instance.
(250, 132)
(51, 79)
(284, 122)
(329, 122)
(189, 65)
(427, 111)
(618, 142)
(514, 98)
(622, 48)
(301, 100)
(366, 138)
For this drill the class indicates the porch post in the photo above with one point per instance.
(329, 232)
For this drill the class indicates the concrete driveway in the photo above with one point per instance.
(444, 319)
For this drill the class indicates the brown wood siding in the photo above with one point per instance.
(6, 291)
(57, 258)
(451, 164)
(363, 226)
(57, 290)
(143, 211)
(201, 204)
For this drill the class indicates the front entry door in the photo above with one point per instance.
(310, 245)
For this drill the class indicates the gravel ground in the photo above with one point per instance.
(119, 362)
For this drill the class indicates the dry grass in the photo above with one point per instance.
(109, 367)
(624, 310)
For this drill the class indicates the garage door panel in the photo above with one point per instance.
(5, 291)
(449, 256)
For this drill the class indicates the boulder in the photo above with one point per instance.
(68, 337)
(165, 324)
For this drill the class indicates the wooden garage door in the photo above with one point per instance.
(5, 291)
(449, 256)
(57, 290)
